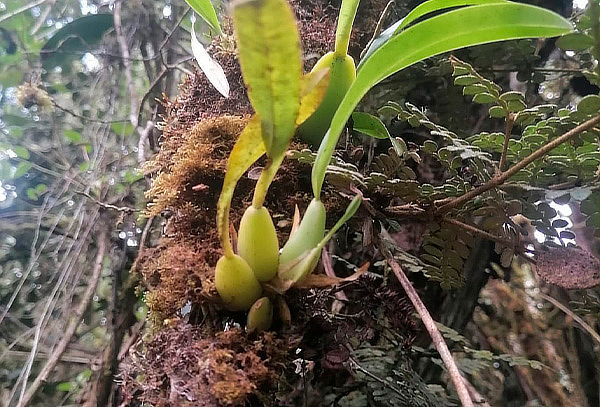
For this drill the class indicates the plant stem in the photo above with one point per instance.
(586, 327)
(446, 205)
(479, 232)
(264, 181)
(344, 26)
(510, 121)
(436, 337)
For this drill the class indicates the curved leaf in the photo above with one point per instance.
(211, 68)
(74, 38)
(418, 12)
(455, 29)
(370, 125)
(436, 5)
(270, 58)
(247, 149)
(207, 12)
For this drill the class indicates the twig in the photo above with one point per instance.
(124, 48)
(478, 231)
(436, 337)
(85, 118)
(107, 205)
(378, 27)
(73, 323)
(510, 121)
(144, 134)
(21, 9)
(575, 317)
(446, 205)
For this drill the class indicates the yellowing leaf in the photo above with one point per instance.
(270, 58)
(247, 149)
(313, 91)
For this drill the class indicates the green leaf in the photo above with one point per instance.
(466, 80)
(436, 5)
(350, 211)
(66, 386)
(248, 148)
(75, 38)
(22, 169)
(20, 152)
(497, 112)
(73, 136)
(370, 125)
(418, 12)
(270, 58)
(589, 104)
(575, 42)
(122, 128)
(484, 98)
(452, 30)
(207, 12)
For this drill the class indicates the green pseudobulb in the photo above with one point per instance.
(236, 283)
(341, 75)
(257, 243)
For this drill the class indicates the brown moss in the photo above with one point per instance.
(178, 271)
(183, 366)
(191, 164)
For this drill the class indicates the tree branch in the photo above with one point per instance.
(436, 337)
(446, 205)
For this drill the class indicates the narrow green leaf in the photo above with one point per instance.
(350, 211)
(270, 58)
(420, 11)
(247, 149)
(207, 12)
(370, 125)
(452, 30)
(436, 5)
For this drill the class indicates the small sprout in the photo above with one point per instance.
(260, 316)
(236, 283)
(300, 267)
(308, 235)
(257, 243)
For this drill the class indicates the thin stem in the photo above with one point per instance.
(436, 337)
(344, 26)
(573, 315)
(21, 9)
(478, 232)
(378, 27)
(510, 121)
(447, 205)
(264, 181)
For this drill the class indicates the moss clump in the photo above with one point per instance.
(183, 366)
